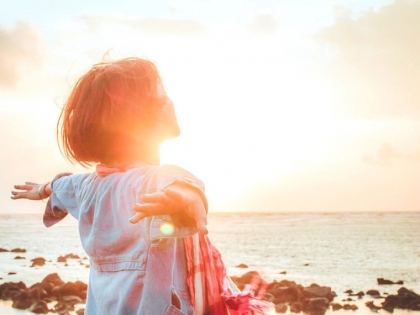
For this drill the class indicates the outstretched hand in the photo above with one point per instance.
(172, 200)
(31, 190)
(28, 191)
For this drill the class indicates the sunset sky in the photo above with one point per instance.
(283, 105)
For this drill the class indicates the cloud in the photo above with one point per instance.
(264, 23)
(387, 155)
(19, 46)
(377, 59)
(149, 25)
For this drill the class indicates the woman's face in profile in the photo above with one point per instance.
(167, 122)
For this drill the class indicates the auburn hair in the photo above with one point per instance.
(109, 106)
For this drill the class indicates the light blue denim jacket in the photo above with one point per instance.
(135, 268)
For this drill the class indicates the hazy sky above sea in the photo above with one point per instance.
(283, 105)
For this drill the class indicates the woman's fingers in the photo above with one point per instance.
(156, 197)
(196, 209)
(25, 187)
(200, 216)
(161, 198)
(23, 190)
(29, 190)
(31, 183)
(17, 195)
(176, 195)
(170, 201)
(136, 218)
(150, 208)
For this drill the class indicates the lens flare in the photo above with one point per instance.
(167, 228)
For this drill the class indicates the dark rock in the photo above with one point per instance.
(246, 277)
(373, 292)
(36, 298)
(348, 291)
(72, 299)
(271, 285)
(77, 288)
(405, 299)
(315, 306)
(287, 283)
(409, 299)
(20, 257)
(80, 311)
(286, 294)
(281, 308)
(61, 259)
(315, 291)
(39, 307)
(306, 264)
(10, 289)
(54, 279)
(3, 250)
(18, 250)
(268, 297)
(372, 306)
(31, 298)
(11, 273)
(242, 266)
(22, 302)
(285, 291)
(351, 307)
(72, 256)
(296, 307)
(282, 272)
(359, 294)
(37, 291)
(386, 281)
(63, 307)
(39, 261)
(336, 306)
(390, 303)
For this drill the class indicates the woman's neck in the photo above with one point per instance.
(145, 156)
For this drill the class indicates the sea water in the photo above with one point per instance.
(340, 250)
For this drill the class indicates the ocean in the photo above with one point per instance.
(340, 250)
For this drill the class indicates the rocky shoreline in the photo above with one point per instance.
(316, 299)
(54, 295)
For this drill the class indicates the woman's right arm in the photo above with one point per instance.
(34, 191)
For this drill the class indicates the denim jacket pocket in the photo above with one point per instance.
(172, 310)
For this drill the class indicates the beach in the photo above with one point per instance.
(343, 251)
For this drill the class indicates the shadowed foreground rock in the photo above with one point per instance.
(313, 300)
(51, 289)
(405, 299)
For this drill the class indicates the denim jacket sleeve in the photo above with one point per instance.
(63, 199)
